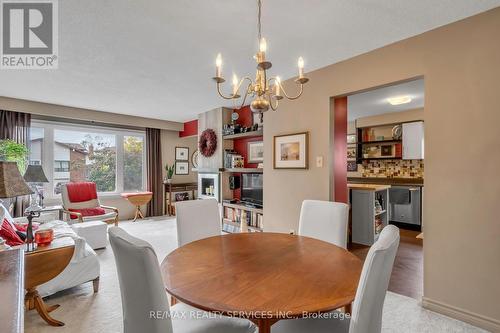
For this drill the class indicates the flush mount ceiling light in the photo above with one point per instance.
(398, 100)
(265, 92)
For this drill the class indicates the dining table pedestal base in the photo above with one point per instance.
(264, 324)
(33, 301)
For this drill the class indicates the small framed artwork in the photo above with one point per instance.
(351, 152)
(181, 153)
(291, 151)
(352, 166)
(182, 168)
(351, 138)
(256, 152)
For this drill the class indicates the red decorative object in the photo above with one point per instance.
(8, 233)
(208, 142)
(44, 237)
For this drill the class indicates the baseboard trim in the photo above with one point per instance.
(472, 318)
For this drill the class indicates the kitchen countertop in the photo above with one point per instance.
(368, 187)
(386, 181)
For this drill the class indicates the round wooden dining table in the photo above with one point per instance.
(264, 277)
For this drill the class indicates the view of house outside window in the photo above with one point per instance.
(69, 153)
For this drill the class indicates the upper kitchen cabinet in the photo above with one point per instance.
(413, 141)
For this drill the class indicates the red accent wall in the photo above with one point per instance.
(340, 149)
(246, 116)
(190, 129)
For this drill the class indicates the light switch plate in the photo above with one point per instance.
(319, 161)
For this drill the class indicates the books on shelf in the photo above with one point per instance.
(234, 217)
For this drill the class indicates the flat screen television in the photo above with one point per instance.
(251, 189)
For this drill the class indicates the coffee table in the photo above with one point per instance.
(42, 265)
(264, 277)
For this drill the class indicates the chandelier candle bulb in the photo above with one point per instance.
(235, 84)
(278, 88)
(301, 67)
(218, 65)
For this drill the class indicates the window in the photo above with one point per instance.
(37, 136)
(112, 158)
(133, 152)
(87, 156)
(61, 166)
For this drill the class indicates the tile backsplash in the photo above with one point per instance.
(392, 169)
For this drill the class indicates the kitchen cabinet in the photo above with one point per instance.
(368, 218)
(413, 141)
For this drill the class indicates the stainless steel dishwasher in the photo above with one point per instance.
(405, 204)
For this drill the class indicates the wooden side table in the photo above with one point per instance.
(177, 187)
(138, 199)
(42, 265)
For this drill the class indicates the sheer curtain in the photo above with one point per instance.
(16, 126)
(155, 168)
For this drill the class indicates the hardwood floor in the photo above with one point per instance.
(407, 274)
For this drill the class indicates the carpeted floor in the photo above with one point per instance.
(84, 311)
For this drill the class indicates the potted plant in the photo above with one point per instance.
(12, 151)
(170, 172)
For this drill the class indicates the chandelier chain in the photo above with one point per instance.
(259, 5)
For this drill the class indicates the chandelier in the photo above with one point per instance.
(266, 92)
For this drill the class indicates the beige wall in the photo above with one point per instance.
(170, 140)
(461, 66)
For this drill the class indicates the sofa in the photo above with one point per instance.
(83, 267)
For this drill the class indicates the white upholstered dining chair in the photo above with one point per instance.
(367, 308)
(144, 299)
(324, 220)
(197, 219)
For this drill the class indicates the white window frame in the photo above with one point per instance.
(48, 152)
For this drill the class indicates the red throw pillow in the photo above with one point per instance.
(9, 234)
(88, 212)
(82, 191)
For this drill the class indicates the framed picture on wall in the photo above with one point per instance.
(181, 153)
(352, 166)
(351, 138)
(181, 168)
(351, 153)
(291, 151)
(256, 152)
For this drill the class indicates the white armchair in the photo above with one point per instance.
(81, 203)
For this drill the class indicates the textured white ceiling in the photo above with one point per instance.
(155, 58)
(374, 102)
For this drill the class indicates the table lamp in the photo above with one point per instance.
(33, 176)
(13, 185)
